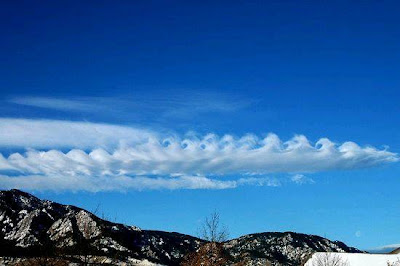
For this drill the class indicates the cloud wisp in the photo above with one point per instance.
(177, 104)
(125, 183)
(111, 157)
(301, 179)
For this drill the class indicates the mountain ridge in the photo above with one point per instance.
(30, 226)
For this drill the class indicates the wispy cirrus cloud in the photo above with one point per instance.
(137, 158)
(167, 104)
(79, 104)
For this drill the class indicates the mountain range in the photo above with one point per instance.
(31, 227)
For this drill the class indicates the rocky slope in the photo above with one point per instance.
(33, 227)
(29, 226)
(286, 248)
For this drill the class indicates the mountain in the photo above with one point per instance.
(33, 227)
(395, 251)
(392, 249)
(30, 226)
(286, 248)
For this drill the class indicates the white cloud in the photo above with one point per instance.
(26, 133)
(120, 156)
(124, 183)
(259, 181)
(301, 179)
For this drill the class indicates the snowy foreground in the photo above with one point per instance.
(354, 259)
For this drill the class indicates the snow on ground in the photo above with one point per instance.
(354, 259)
(143, 262)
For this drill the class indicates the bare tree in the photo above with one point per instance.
(328, 259)
(212, 253)
(212, 231)
(394, 263)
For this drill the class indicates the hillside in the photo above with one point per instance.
(33, 227)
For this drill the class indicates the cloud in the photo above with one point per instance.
(26, 133)
(82, 104)
(176, 104)
(119, 156)
(301, 179)
(124, 183)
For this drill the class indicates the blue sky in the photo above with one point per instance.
(283, 116)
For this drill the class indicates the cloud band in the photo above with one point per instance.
(123, 154)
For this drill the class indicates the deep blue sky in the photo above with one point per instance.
(321, 69)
